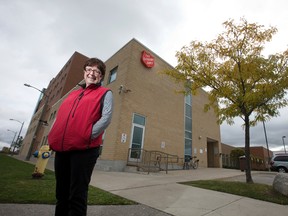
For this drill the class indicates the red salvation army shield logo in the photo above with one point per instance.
(147, 59)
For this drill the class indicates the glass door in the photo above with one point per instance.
(137, 141)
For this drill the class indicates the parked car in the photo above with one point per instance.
(279, 163)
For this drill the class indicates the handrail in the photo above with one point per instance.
(151, 160)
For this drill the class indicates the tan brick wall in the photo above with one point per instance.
(153, 96)
(205, 132)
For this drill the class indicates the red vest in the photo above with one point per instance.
(75, 119)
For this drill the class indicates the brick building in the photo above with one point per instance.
(148, 114)
(260, 157)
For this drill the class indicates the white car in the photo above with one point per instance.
(279, 163)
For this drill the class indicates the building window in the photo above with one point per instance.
(54, 114)
(51, 116)
(137, 119)
(188, 125)
(137, 140)
(113, 75)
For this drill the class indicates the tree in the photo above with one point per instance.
(236, 153)
(18, 143)
(240, 81)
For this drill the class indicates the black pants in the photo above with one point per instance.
(73, 172)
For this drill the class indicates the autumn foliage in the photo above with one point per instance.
(241, 81)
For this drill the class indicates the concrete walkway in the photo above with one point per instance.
(159, 194)
(162, 191)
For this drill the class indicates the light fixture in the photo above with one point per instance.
(123, 89)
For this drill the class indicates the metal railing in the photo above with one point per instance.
(151, 161)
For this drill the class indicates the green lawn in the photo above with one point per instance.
(18, 186)
(255, 191)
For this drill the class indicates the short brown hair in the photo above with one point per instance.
(98, 63)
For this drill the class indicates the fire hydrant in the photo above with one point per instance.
(43, 156)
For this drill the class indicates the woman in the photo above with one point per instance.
(76, 137)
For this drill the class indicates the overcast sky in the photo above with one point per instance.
(38, 37)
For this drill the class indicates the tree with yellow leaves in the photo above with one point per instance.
(240, 81)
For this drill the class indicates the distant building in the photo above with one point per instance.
(260, 157)
(227, 161)
(5, 149)
(148, 114)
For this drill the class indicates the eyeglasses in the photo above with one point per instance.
(89, 70)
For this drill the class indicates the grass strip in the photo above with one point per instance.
(18, 186)
(256, 191)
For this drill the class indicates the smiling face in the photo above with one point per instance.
(92, 75)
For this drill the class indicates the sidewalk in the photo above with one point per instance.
(161, 191)
(159, 194)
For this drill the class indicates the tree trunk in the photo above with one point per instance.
(247, 150)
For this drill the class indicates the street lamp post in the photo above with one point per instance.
(39, 122)
(268, 151)
(30, 86)
(18, 138)
(284, 143)
(15, 133)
